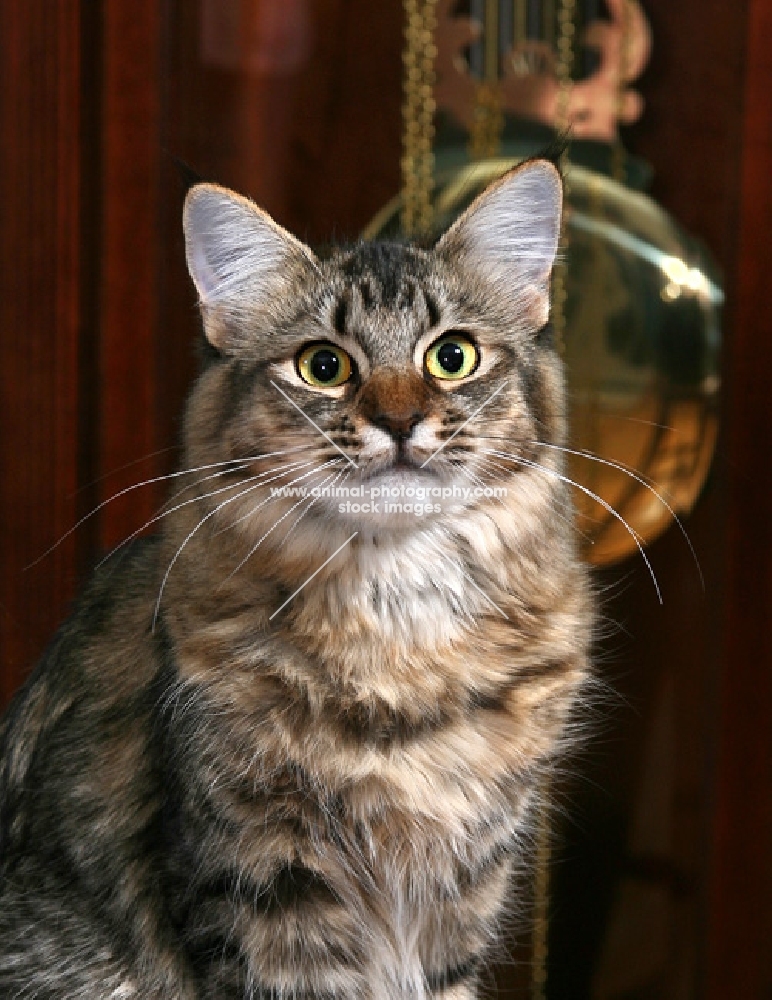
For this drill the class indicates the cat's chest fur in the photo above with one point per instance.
(367, 778)
(388, 739)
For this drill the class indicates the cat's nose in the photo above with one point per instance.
(400, 427)
(395, 400)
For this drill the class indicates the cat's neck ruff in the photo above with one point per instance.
(415, 587)
(441, 580)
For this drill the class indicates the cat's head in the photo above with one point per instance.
(385, 368)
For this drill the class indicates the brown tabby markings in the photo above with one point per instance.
(202, 798)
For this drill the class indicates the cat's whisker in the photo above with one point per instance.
(478, 479)
(258, 543)
(644, 481)
(561, 507)
(162, 513)
(122, 468)
(634, 474)
(598, 499)
(466, 472)
(204, 479)
(239, 465)
(287, 486)
(344, 472)
(150, 482)
(580, 399)
(497, 472)
(189, 536)
(186, 503)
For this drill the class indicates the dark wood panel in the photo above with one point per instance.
(129, 336)
(39, 317)
(739, 962)
(315, 140)
(347, 131)
(692, 121)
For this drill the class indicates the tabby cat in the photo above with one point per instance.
(292, 746)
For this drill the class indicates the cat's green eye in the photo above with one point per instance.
(324, 365)
(453, 356)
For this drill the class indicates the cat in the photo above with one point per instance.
(292, 745)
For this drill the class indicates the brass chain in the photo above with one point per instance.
(487, 123)
(488, 116)
(619, 153)
(564, 62)
(418, 116)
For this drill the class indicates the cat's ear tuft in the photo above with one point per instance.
(510, 234)
(240, 260)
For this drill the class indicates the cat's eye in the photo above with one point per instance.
(453, 356)
(324, 365)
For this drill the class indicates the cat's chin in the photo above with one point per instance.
(399, 473)
(397, 498)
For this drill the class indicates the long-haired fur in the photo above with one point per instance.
(292, 745)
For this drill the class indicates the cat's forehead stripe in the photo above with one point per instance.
(383, 284)
(340, 314)
(383, 274)
(432, 309)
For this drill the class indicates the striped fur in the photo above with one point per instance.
(226, 781)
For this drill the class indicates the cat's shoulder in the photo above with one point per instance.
(102, 659)
(114, 610)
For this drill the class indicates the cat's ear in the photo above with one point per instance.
(510, 233)
(242, 263)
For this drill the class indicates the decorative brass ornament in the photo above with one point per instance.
(532, 71)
